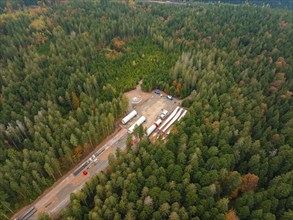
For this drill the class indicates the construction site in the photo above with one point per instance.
(157, 112)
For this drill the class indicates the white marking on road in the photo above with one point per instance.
(64, 180)
(60, 204)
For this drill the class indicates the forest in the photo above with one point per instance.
(287, 4)
(64, 69)
(18, 4)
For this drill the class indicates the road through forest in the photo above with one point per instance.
(58, 196)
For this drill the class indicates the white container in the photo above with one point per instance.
(128, 117)
(136, 124)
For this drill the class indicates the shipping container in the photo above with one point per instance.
(136, 124)
(128, 117)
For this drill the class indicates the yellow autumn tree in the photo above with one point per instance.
(38, 24)
(74, 100)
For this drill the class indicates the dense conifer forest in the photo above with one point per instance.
(18, 4)
(264, 3)
(64, 69)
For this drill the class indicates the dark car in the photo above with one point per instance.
(157, 92)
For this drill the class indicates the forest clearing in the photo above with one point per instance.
(58, 196)
(219, 75)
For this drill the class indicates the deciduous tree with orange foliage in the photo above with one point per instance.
(248, 182)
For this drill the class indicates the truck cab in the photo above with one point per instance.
(164, 114)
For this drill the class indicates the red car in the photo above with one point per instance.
(84, 172)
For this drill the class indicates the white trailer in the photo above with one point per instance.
(169, 118)
(136, 124)
(173, 120)
(183, 114)
(153, 127)
(128, 117)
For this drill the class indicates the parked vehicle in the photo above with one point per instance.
(164, 114)
(28, 214)
(157, 92)
(169, 97)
